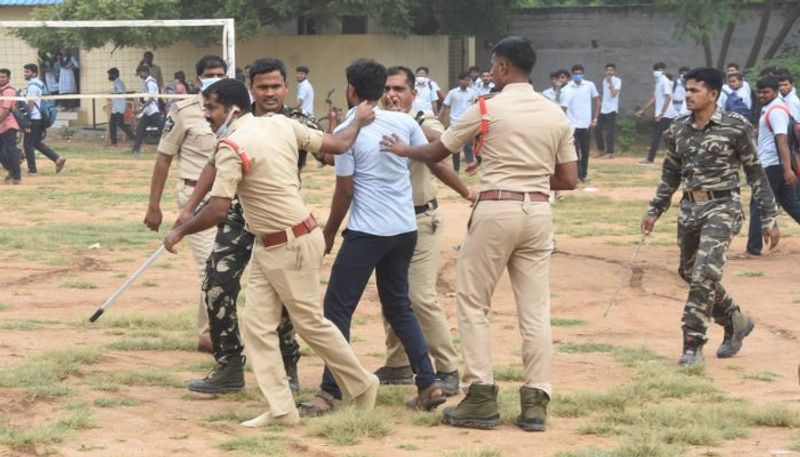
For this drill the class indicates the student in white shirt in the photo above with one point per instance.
(581, 102)
(664, 110)
(474, 77)
(736, 84)
(733, 68)
(458, 100)
(775, 157)
(606, 123)
(429, 94)
(554, 91)
(679, 89)
(789, 94)
(485, 84)
(305, 91)
(149, 115)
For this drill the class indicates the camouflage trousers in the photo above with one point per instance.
(705, 231)
(232, 249)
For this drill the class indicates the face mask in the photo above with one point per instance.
(421, 80)
(658, 74)
(206, 82)
(223, 129)
(577, 78)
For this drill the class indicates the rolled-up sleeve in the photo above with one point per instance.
(463, 131)
(308, 139)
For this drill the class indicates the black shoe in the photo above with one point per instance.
(448, 382)
(692, 351)
(294, 380)
(741, 325)
(395, 375)
(227, 376)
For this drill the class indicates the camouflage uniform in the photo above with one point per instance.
(707, 160)
(232, 249)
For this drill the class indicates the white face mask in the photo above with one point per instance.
(205, 83)
(658, 74)
(421, 80)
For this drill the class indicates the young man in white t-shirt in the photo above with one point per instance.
(35, 134)
(664, 110)
(606, 123)
(788, 94)
(581, 102)
(457, 101)
(775, 157)
(429, 93)
(149, 114)
(305, 91)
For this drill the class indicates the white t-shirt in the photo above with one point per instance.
(793, 102)
(459, 100)
(610, 104)
(483, 89)
(577, 99)
(779, 121)
(679, 94)
(427, 93)
(664, 88)
(551, 93)
(35, 89)
(151, 86)
(305, 92)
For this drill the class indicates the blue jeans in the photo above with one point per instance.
(9, 154)
(389, 257)
(786, 196)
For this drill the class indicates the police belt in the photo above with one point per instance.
(431, 205)
(494, 195)
(277, 238)
(700, 196)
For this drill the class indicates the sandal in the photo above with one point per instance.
(322, 403)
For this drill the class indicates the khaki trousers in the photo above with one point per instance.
(288, 275)
(422, 275)
(517, 236)
(202, 244)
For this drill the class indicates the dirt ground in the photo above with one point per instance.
(51, 281)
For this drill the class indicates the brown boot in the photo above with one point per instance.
(427, 399)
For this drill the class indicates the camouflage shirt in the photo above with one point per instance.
(304, 119)
(708, 158)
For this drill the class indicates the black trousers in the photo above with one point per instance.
(34, 141)
(605, 132)
(658, 136)
(786, 196)
(118, 121)
(9, 154)
(146, 121)
(582, 142)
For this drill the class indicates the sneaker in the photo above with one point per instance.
(395, 375)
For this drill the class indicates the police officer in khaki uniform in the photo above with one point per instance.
(399, 96)
(511, 227)
(188, 138)
(256, 159)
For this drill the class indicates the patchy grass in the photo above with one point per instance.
(77, 285)
(508, 373)
(48, 369)
(585, 347)
(31, 439)
(182, 320)
(764, 376)
(148, 283)
(140, 377)
(234, 415)
(5, 306)
(158, 343)
(426, 419)
(751, 274)
(26, 324)
(347, 427)
(116, 402)
(394, 395)
(567, 322)
(255, 445)
(486, 452)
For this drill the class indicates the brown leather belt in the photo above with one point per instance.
(190, 182)
(276, 238)
(513, 196)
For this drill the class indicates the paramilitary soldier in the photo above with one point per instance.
(232, 250)
(704, 152)
(399, 94)
(511, 227)
(188, 138)
(256, 160)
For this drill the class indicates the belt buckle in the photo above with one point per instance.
(700, 196)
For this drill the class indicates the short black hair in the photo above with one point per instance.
(425, 69)
(180, 76)
(463, 75)
(577, 67)
(517, 50)
(562, 72)
(734, 65)
(267, 65)
(711, 77)
(770, 82)
(411, 80)
(32, 67)
(148, 55)
(239, 74)
(683, 69)
(368, 78)
(737, 76)
(230, 92)
(209, 61)
(143, 67)
(5, 71)
(659, 66)
(474, 67)
(611, 65)
(302, 69)
(769, 71)
(113, 71)
(786, 75)
(553, 74)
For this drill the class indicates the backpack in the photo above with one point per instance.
(46, 107)
(735, 104)
(793, 136)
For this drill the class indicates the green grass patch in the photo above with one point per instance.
(572, 348)
(5, 306)
(26, 324)
(394, 395)
(486, 452)
(77, 285)
(31, 439)
(234, 415)
(426, 419)
(140, 377)
(116, 402)
(148, 283)
(255, 445)
(567, 322)
(764, 376)
(508, 373)
(48, 369)
(347, 427)
(182, 320)
(751, 274)
(159, 343)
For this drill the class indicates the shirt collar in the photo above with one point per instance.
(716, 118)
(240, 121)
(518, 87)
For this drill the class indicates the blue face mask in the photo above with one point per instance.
(577, 78)
(223, 129)
(205, 83)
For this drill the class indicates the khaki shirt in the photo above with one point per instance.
(527, 136)
(423, 183)
(188, 136)
(270, 191)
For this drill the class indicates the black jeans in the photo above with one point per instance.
(118, 120)
(34, 140)
(582, 142)
(153, 120)
(468, 156)
(605, 132)
(786, 196)
(658, 135)
(389, 257)
(9, 154)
